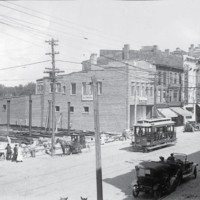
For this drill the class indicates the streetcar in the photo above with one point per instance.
(154, 133)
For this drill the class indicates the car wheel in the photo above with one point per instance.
(195, 172)
(135, 191)
(157, 194)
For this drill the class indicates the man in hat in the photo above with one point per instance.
(8, 152)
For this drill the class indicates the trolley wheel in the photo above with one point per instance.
(135, 191)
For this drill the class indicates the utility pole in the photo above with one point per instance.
(8, 116)
(155, 97)
(30, 115)
(68, 124)
(135, 110)
(52, 74)
(97, 141)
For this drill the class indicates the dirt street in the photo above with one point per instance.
(46, 178)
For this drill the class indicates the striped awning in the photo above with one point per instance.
(166, 112)
(181, 111)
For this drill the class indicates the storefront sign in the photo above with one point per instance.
(88, 97)
(142, 100)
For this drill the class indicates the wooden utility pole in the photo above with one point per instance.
(68, 124)
(49, 116)
(135, 110)
(97, 140)
(155, 97)
(8, 116)
(30, 115)
(52, 73)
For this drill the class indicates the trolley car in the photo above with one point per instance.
(154, 133)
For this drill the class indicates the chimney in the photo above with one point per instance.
(126, 49)
(191, 49)
(93, 59)
(155, 48)
(167, 51)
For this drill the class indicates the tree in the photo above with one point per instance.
(19, 90)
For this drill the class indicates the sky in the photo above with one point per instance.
(85, 27)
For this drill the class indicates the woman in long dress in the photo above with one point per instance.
(19, 154)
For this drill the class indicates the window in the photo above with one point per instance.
(4, 108)
(58, 87)
(138, 90)
(64, 89)
(164, 96)
(132, 90)
(151, 91)
(171, 77)
(99, 88)
(164, 78)
(175, 95)
(71, 109)
(159, 78)
(40, 88)
(143, 90)
(86, 109)
(175, 78)
(147, 91)
(57, 108)
(159, 95)
(73, 88)
(87, 89)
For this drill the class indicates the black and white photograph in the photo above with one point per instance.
(99, 100)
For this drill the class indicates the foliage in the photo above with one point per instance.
(19, 90)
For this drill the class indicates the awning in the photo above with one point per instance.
(181, 111)
(166, 112)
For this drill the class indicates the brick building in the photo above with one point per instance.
(116, 90)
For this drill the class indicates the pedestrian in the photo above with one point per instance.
(124, 134)
(8, 152)
(171, 158)
(14, 158)
(19, 154)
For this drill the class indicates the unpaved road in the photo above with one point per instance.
(46, 178)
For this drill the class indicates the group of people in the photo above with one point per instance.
(15, 155)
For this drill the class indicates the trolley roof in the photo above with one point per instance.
(155, 122)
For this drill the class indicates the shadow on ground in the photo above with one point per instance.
(123, 181)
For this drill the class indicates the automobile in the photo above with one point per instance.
(162, 177)
(193, 124)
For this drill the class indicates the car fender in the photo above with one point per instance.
(194, 165)
(134, 182)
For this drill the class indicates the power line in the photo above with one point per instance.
(59, 18)
(19, 66)
(67, 61)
